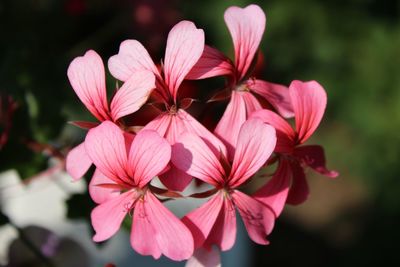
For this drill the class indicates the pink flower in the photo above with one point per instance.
(309, 103)
(123, 176)
(87, 78)
(246, 26)
(185, 45)
(215, 222)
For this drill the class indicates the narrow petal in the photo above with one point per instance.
(228, 127)
(223, 233)
(309, 103)
(87, 78)
(205, 258)
(86, 125)
(212, 63)
(185, 45)
(258, 219)
(99, 193)
(275, 192)
(133, 94)
(143, 233)
(299, 191)
(251, 103)
(201, 220)
(256, 142)
(246, 26)
(148, 156)
(191, 155)
(78, 162)
(277, 95)
(108, 216)
(314, 156)
(284, 132)
(131, 57)
(156, 231)
(105, 146)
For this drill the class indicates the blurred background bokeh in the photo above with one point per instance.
(351, 47)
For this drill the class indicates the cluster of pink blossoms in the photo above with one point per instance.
(176, 147)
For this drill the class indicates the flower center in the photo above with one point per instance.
(242, 88)
(173, 109)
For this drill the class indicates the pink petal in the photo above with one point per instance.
(176, 128)
(105, 145)
(191, 155)
(299, 190)
(284, 132)
(185, 45)
(131, 57)
(256, 142)
(314, 156)
(205, 258)
(275, 192)
(201, 220)
(223, 234)
(175, 179)
(251, 103)
(98, 193)
(157, 231)
(133, 94)
(87, 78)
(78, 162)
(246, 26)
(258, 218)
(108, 216)
(143, 232)
(277, 95)
(148, 156)
(212, 63)
(228, 127)
(193, 126)
(160, 124)
(129, 137)
(309, 103)
(171, 126)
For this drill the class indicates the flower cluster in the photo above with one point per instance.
(252, 134)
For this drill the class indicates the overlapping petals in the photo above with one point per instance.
(154, 226)
(309, 103)
(176, 147)
(215, 221)
(185, 45)
(87, 77)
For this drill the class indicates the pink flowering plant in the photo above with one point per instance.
(253, 134)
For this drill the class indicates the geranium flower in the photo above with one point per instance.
(87, 78)
(185, 45)
(246, 26)
(309, 103)
(214, 223)
(123, 187)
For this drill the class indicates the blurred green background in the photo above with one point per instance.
(351, 47)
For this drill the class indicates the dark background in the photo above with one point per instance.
(351, 47)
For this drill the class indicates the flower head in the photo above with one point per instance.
(124, 173)
(215, 221)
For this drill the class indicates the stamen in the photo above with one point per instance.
(242, 88)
